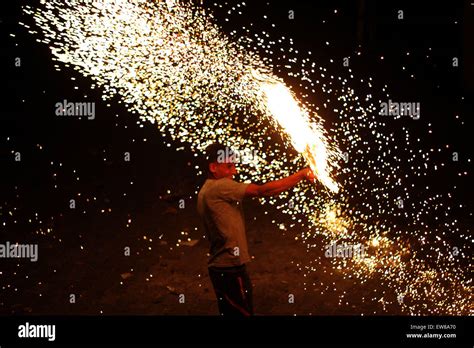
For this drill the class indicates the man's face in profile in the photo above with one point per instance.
(225, 169)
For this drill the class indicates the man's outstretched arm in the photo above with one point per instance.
(275, 187)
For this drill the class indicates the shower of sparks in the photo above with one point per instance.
(172, 66)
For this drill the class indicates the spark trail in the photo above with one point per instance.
(175, 68)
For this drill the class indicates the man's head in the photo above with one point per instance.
(220, 161)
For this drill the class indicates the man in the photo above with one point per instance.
(220, 207)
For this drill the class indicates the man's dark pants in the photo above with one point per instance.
(233, 290)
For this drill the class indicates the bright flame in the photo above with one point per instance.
(305, 136)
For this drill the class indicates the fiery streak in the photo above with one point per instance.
(168, 62)
(306, 137)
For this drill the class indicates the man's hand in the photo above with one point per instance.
(309, 175)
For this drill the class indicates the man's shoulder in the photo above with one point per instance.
(205, 186)
(215, 186)
(228, 183)
(209, 186)
(210, 183)
(224, 181)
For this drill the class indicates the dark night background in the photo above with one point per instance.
(148, 188)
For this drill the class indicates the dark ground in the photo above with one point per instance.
(156, 277)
